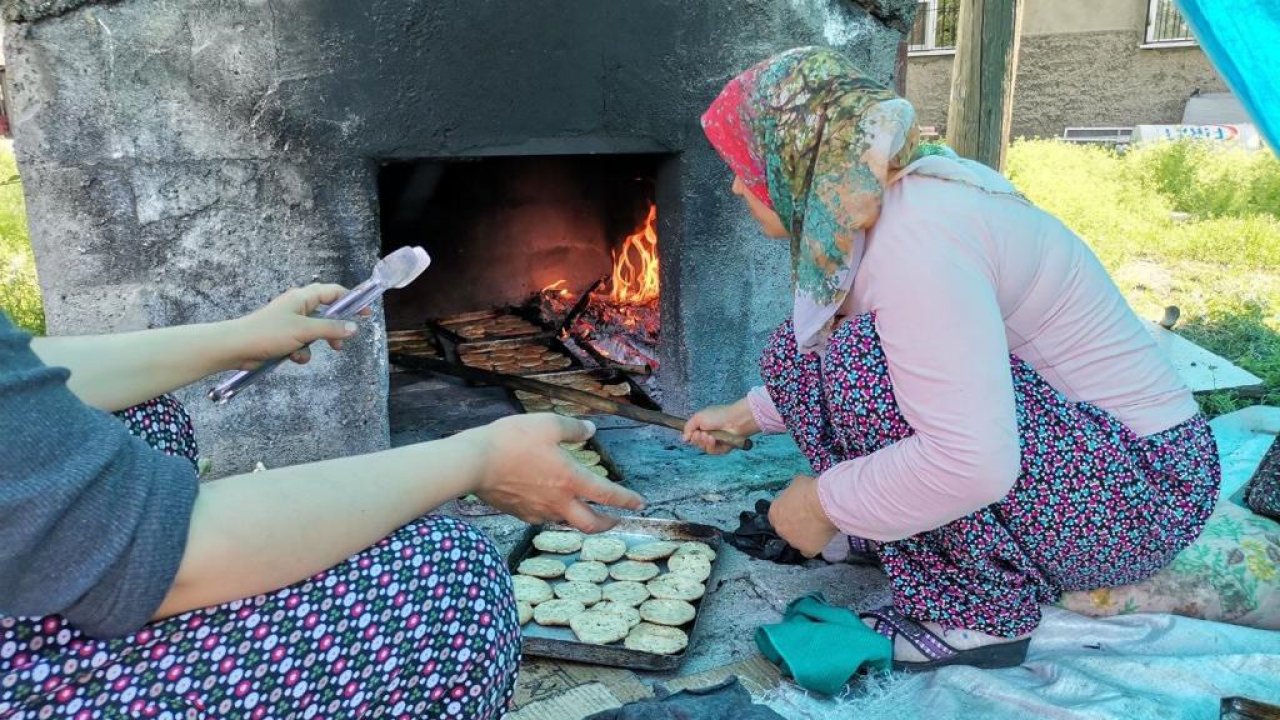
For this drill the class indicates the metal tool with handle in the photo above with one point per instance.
(586, 399)
(394, 271)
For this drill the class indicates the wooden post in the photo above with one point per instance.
(982, 78)
(900, 68)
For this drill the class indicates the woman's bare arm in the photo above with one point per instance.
(252, 534)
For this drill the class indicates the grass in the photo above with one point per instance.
(19, 291)
(1181, 224)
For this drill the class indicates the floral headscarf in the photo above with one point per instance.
(818, 142)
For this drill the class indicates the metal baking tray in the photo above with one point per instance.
(606, 376)
(560, 642)
(453, 352)
(447, 327)
(421, 342)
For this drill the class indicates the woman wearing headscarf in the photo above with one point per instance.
(987, 418)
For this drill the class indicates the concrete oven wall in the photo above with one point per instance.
(186, 160)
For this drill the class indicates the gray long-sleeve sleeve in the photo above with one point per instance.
(93, 521)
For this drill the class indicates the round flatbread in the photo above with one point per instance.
(673, 586)
(690, 565)
(541, 567)
(600, 470)
(667, 612)
(531, 589)
(525, 611)
(557, 612)
(573, 446)
(626, 593)
(633, 571)
(696, 548)
(626, 612)
(586, 457)
(657, 639)
(604, 549)
(558, 541)
(618, 390)
(650, 551)
(598, 628)
(584, 592)
(590, 571)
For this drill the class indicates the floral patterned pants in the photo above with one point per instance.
(1094, 506)
(421, 625)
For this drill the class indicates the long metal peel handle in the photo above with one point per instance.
(345, 308)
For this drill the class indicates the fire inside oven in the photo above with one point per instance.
(544, 267)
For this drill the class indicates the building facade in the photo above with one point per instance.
(1084, 63)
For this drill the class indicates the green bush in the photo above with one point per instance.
(1127, 206)
(1208, 181)
(19, 291)
(1184, 224)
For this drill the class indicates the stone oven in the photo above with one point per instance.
(187, 160)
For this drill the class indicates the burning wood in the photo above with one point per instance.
(622, 320)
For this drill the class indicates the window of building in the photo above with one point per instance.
(1166, 26)
(935, 28)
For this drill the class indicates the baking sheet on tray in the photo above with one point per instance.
(454, 326)
(454, 352)
(560, 642)
(414, 342)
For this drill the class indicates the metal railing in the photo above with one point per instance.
(1165, 24)
(935, 27)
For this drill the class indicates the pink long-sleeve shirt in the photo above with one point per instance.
(958, 279)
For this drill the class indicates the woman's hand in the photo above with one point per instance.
(527, 474)
(113, 372)
(736, 418)
(798, 518)
(282, 327)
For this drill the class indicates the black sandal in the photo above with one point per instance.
(891, 623)
(756, 537)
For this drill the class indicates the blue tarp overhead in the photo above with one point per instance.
(1242, 39)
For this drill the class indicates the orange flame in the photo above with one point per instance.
(635, 266)
(557, 288)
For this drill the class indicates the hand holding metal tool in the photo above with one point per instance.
(393, 271)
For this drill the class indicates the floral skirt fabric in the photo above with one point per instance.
(1094, 506)
(420, 626)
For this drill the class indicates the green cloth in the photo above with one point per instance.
(821, 646)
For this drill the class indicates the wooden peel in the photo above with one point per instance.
(585, 399)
